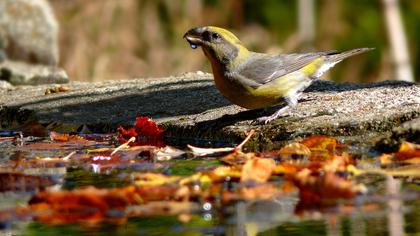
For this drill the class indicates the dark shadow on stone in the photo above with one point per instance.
(231, 119)
(123, 107)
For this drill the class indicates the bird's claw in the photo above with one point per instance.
(284, 111)
(266, 119)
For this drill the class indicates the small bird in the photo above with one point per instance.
(256, 80)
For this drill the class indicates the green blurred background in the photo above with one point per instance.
(121, 39)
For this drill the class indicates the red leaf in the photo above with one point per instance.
(146, 131)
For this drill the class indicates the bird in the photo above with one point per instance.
(255, 80)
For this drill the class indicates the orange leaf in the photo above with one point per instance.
(54, 136)
(294, 149)
(408, 151)
(258, 170)
(323, 147)
(320, 142)
(261, 191)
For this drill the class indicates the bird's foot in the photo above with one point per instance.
(284, 111)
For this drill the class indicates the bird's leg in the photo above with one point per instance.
(284, 111)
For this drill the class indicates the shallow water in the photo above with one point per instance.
(391, 206)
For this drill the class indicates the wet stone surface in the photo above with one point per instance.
(189, 106)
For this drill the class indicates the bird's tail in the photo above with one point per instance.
(336, 57)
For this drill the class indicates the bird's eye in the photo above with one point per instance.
(215, 36)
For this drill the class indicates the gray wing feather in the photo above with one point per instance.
(263, 68)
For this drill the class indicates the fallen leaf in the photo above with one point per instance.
(408, 153)
(146, 132)
(57, 89)
(294, 149)
(258, 170)
(33, 128)
(54, 136)
(315, 187)
(197, 151)
(260, 192)
(17, 182)
(323, 147)
(238, 158)
(167, 153)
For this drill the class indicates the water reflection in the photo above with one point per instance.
(395, 207)
(277, 217)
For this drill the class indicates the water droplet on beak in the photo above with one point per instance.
(193, 46)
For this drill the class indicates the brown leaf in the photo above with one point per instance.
(18, 182)
(33, 128)
(316, 188)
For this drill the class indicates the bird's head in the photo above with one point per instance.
(217, 43)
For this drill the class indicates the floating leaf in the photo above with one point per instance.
(17, 182)
(408, 153)
(294, 149)
(197, 151)
(54, 136)
(167, 153)
(316, 189)
(258, 170)
(323, 147)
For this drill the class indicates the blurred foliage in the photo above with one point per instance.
(109, 39)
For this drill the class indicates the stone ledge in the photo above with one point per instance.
(190, 107)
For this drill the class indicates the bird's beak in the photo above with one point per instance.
(193, 36)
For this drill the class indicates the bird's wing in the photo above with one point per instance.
(264, 68)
